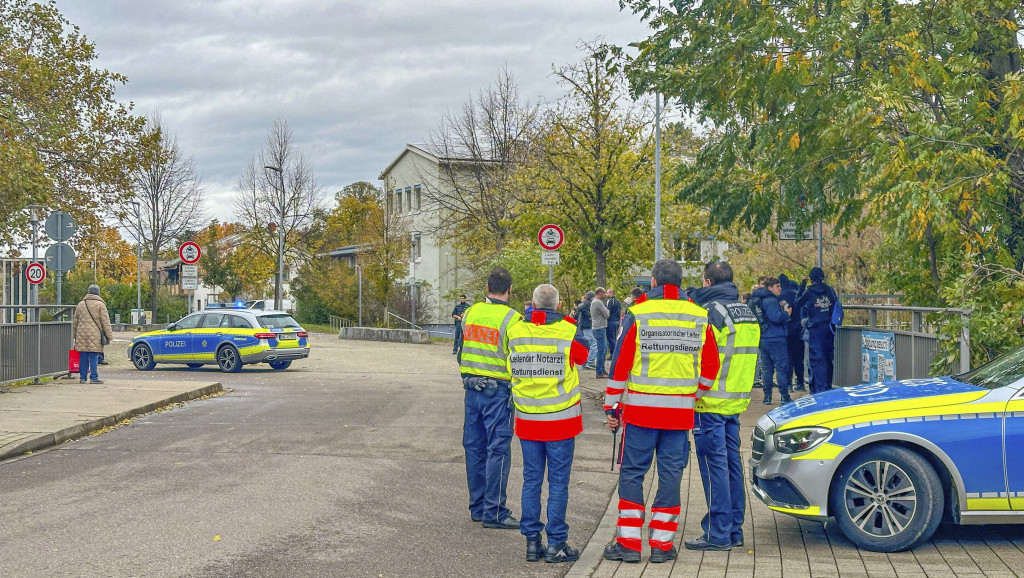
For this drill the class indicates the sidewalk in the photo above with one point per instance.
(33, 417)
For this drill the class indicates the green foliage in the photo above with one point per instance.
(66, 142)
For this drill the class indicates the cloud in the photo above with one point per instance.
(355, 80)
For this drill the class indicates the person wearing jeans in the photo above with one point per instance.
(543, 356)
(598, 331)
(89, 327)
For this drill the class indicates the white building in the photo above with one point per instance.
(436, 265)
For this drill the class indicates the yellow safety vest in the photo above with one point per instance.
(485, 339)
(737, 351)
(543, 379)
(670, 336)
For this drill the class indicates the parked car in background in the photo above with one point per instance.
(229, 338)
(889, 460)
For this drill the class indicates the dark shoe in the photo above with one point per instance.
(476, 518)
(617, 551)
(509, 523)
(799, 388)
(767, 399)
(104, 362)
(602, 375)
(787, 399)
(658, 556)
(96, 381)
(702, 544)
(561, 553)
(534, 549)
(737, 543)
(82, 381)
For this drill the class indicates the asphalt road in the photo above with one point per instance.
(347, 464)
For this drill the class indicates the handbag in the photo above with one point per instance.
(73, 361)
(103, 336)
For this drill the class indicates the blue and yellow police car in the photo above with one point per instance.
(888, 461)
(229, 338)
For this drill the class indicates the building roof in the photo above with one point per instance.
(434, 154)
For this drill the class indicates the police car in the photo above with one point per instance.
(229, 338)
(890, 460)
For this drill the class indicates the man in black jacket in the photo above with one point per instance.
(794, 344)
(816, 304)
(460, 309)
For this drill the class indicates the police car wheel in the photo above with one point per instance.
(228, 359)
(194, 365)
(887, 499)
(142, 357)
(279, 365)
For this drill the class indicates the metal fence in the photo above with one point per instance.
(917, 342)
(29, 351)
(338, 322)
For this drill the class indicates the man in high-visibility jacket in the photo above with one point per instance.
(487, 431)
(664, 358)
(543, 356)
(716, 429)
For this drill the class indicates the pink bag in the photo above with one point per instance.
(73, 366)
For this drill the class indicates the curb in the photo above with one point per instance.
(593, 553)
(77, 431)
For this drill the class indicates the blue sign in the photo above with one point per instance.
(878, 356)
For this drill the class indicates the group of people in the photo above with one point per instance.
(791, 315)
(680, 362)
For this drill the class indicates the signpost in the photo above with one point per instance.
(60, 257)
(189, 253)
(550, 238)
(788, 232)
(35, 273)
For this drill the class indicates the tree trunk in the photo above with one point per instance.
(600, 258)
(154, 283)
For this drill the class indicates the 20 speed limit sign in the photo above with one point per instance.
(189, 252)
(35, 273)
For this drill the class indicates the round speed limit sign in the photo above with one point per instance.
(35, 273)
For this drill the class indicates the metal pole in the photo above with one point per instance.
(551, 274)
(138, 263)
(359, 270)
(34, 291)
(280, 248)
(657, 176)
(821, 236)
(412, 280)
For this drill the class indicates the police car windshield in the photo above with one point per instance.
(1001, 371)
(277, 321)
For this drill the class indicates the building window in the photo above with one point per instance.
(398, 201)
(418, 192)
(408, 199)
(417, 247)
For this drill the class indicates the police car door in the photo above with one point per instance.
(174, 344)
(205, 338)
(1013, 449)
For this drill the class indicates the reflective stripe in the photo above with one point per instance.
(553, 341)
(612, 399)
(705, 381)
(664, 381)
(669, 401)
(616, 384)
(631, 514)
(483, 352)
(746, 351)
(726, 394)
(628, 532)
(662, 536)
(504, 329)
(483, 365)
(545, 401)
(669, 317)
(569, 413)
(664, 517)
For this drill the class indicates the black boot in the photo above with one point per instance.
(658, 556)
(534, 549)
(768, 398)
(617, 551)
(561, 553)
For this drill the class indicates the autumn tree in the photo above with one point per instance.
(593, 173)
(168, 198)
(904, 114)
(277, 189)
(479, 150)
(65, 142)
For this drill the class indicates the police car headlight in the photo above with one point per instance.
(800, 440)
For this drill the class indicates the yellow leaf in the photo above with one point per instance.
(794, 141)
(216, 538)
(778, 64)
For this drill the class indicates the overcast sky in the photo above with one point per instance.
(356, 80)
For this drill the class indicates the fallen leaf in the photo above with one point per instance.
(216, 538)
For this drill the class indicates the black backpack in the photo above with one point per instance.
(755, 305)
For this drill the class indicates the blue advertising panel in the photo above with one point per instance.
(878, 356)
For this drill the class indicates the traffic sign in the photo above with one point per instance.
(60, 258)
(60, 226)
(190, 270)
(189, 252)
(35, 273)
(550, 237)
(549, 258)
(190, 283)
(190, 277)
(788, 232)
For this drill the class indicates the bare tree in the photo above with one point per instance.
(168, 197)
(278, 189)
(478, 151)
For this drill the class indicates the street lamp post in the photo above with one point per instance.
(138, 260)
(33, 217)
(359, 271)
(278, 293)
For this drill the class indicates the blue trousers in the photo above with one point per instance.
(487, 438)
(716, 438)
(457, 343)
(640, 445)
(558, 458)
(795, 346)
(588, 336)
(611, 333)
(775, 357)
(820, 352)
(598, 337)
(87, 364)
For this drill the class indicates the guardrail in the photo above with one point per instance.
(35, 349)
(917, 342)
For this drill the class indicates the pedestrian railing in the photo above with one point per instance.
(338, 322)
(916, 339)
(34, 349)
